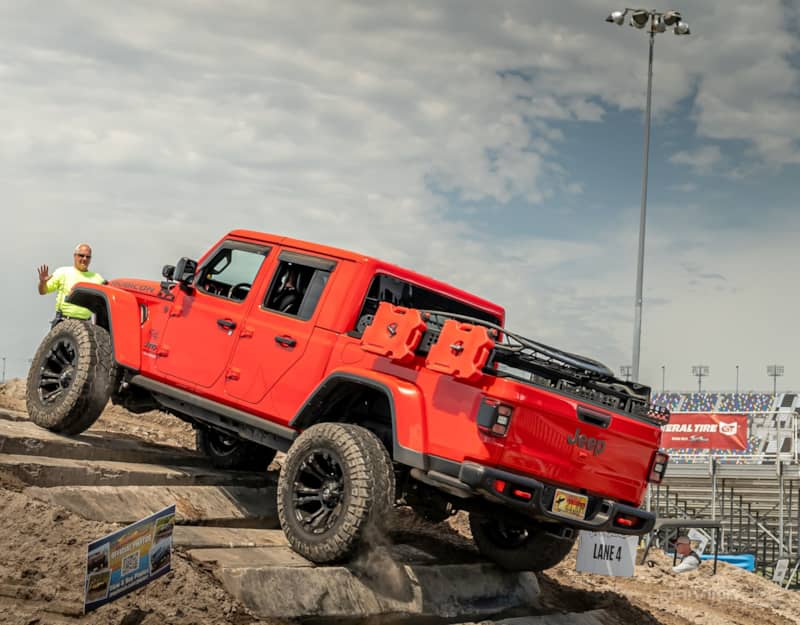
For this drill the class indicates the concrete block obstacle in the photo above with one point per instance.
(227, 522)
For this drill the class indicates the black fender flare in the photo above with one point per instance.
(403, 397)
(118, 312)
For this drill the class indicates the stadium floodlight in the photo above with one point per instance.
(658, 22)
(700, 371)
(625, 370)
(682, 28)
(775, 371)
(640, 18)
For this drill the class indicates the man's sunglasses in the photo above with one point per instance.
(87, 256)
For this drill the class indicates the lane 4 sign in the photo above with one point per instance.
(604, 553)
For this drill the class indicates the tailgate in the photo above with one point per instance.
(576, 444)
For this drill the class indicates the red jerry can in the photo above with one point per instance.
(395, 332)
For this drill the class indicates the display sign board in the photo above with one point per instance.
(699, 539)
(700, 430)
(781, 567)
(605, 553)
(128, 558)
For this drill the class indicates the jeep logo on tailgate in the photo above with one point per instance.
(596, 445)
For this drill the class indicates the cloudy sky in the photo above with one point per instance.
(493, 144)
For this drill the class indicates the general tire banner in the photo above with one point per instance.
(699, 430)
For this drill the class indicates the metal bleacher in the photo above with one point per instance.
(756, 493)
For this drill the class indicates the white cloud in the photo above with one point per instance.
(702, 160)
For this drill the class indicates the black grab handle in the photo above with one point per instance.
(594, 417)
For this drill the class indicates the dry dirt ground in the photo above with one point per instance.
(43, 550)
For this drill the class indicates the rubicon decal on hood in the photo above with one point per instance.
(132, 285)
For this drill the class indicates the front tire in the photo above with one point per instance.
(517, 547)
(335, 489)
(71, 377)
(228, 451)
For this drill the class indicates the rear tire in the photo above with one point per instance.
(71, 377)
(516, 547)
(228, 451)
(335, 491)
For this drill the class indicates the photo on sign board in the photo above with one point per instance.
(163, 528)
(160, 556)
(98, 586)
(97, 559)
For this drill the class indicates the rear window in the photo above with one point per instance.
(401, 293)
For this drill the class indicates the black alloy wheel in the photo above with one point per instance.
(521, 546)
(318, 490)
(71, 377)
(336, 490)
(57, 371)
(228, 451)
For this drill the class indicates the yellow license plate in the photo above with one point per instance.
(570, 504)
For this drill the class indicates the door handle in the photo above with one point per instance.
(285, 341)
(226, 323)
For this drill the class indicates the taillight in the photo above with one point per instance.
(658, 468)
(494, 418)
(628, 520)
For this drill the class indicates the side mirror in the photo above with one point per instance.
(168, 271)
(184, 272)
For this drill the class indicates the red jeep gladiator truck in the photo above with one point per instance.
(382, 385)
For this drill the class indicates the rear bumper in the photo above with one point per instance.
(602, 515)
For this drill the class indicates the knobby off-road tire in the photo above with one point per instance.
(71, 377)
(335, 491)
(515, 547)
(228, 451)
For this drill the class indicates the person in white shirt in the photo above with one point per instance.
(689, 559)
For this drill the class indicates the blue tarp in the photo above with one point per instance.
(745, 561)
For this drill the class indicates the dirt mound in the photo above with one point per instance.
(42, 561)
(12, 394)
(154, 426)
(656, 595)
(43, 551)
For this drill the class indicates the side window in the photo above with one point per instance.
(298, 285)
(231, 271)
(382, 289)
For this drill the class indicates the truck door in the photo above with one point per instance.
(203, 324)
(279, 330)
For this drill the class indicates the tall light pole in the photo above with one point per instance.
(658, 24)
(663, 377)
(775, 371)
(737, 379)
(700, 371)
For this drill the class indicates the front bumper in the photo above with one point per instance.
(602, 515)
